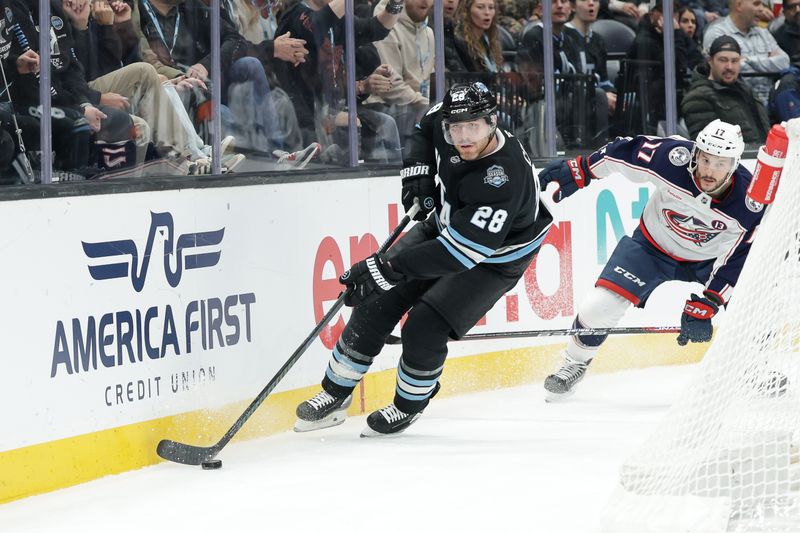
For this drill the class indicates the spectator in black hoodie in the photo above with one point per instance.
(317, 86)
(788, 34)
(647, 66)
(687, 21)
(74, 117)
(594, 54)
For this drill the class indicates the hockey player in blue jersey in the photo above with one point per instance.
(697, 227)
(448, 270)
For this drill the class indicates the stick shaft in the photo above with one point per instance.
(188, 454)
(557, 333)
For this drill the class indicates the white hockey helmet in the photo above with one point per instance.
(720, 139)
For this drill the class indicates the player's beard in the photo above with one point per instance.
(718, 188)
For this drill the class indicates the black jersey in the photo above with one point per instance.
(489, 210)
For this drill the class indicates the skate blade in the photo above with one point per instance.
(369, 433)
(334, 419)
(555, 397)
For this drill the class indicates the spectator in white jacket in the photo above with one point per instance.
(409, 51)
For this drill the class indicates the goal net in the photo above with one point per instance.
(725, 458)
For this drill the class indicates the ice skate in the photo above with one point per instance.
(204, 166)
(298, 159)
(562, 384)
(322, 411)
(388, 421)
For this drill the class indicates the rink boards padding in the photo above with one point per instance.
(144, 311)
(66, 462)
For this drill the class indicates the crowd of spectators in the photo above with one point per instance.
(131, 79)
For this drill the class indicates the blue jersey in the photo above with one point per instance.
(680, 220)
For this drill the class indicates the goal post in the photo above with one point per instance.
(726, 456)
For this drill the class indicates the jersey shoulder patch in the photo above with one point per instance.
(679, 156)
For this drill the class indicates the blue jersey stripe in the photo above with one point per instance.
(516, 254)
(461, 258)
(485, 250)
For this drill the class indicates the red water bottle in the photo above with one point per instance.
(769, 164)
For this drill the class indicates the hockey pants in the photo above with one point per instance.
(438, 309)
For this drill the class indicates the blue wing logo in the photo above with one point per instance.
(125, 260)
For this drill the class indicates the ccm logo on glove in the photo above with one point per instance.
(696, 318)
(698, 309)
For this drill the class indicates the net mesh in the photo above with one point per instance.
(726, 457)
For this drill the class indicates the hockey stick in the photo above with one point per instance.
(188, 454)
(393, 339)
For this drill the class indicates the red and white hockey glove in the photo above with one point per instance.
(696, 318)
(570, 174)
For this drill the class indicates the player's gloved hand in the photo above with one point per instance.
(696, 318)
(570, 174)
(418, 184)
(368, 279)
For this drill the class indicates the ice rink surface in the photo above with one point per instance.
(501, 461)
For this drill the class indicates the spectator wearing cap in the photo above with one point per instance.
(788, 34)
(760, 52)
(718, 92)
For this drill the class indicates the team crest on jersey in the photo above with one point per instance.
(455, 160)
(56, 22)
(495, 176)
(9, 15)
(691, 229)
(752, 205)
(679, 156)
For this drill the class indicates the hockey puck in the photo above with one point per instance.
(214, 464)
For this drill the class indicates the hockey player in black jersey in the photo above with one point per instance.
(697, 226)
(449, 269)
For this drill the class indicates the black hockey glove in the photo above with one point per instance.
(418, 183)
(696, 318)
(570, 174)
(368, 279)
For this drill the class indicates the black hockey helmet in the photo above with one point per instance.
(468, 101)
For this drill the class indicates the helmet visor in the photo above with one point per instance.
(469, 132)
(714, 164)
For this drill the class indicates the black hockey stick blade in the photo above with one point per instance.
(393, 339)
(188, 454)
